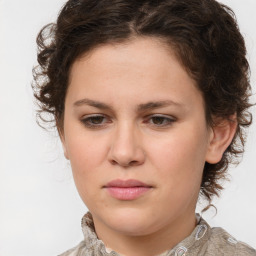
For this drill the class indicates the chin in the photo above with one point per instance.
(132, 222)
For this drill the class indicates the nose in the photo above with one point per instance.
(125, 147)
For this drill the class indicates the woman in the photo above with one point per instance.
(150, 99)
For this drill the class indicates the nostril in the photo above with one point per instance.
(131, 163)
(126, 157)
(113, 162)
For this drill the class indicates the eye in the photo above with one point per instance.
(161, 121)
(94, 121)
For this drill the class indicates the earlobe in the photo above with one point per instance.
(65, 151)
(62, 139)
(221, 135)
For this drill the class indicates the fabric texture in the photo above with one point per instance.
(204, 240)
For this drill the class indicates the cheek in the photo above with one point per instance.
(180, 159)
(85, 150)
(179, 169)
(86, 157)
(85, 160)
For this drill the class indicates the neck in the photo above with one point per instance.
(151, 244)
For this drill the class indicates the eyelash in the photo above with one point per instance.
(87, 121)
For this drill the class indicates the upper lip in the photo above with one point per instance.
(126, 183)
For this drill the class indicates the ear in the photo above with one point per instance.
(63, 142)
(221, 136)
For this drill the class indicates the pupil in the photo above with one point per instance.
(158, 120)
(97, 119)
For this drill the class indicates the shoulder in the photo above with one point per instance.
(74, 251)
(221, 242)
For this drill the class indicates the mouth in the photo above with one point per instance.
(127, 189)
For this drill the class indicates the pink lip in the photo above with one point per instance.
(127, 189)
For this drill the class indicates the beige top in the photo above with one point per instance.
(204, 240)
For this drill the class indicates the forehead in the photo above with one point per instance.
(128, 52)
(141, 69)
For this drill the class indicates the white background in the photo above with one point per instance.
(40, 210)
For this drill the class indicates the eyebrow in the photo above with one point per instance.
(141, 107)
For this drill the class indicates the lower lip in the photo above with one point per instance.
(130, 193)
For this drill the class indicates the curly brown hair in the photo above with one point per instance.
(203, 33)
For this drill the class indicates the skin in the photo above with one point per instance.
(168, 152)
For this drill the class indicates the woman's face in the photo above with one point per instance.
(136, 136)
